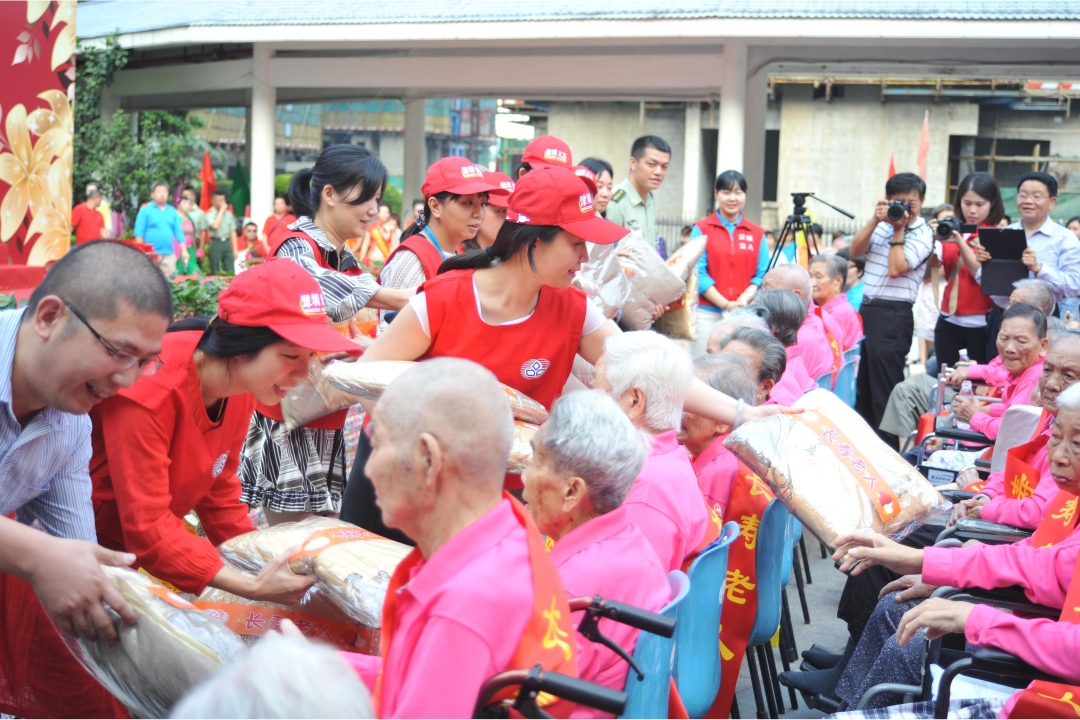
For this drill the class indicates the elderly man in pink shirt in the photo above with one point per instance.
(649, 377)
(813, 345)
(467, 594)
(585, 458)
(1022, 345)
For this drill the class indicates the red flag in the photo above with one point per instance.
(924, 145)
(892, 164)
(209, 184)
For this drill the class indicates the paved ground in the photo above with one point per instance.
(822, 597)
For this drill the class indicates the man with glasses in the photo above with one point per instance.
(92, 328)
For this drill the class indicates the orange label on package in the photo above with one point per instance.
(322, 539)
(257, 620)
(170, 597)
(869, 478)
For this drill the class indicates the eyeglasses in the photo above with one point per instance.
(1021, 197)
(122, 359)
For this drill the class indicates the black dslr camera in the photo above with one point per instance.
(896, 210)
(947, 226)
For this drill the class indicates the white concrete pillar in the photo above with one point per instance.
(415, 153)
(109, 104)
(757, 98)
(691, 185)
(730, 146)
(262, 118)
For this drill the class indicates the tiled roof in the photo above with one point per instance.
(98, 18)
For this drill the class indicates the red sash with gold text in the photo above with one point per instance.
(549, 638)
(1058, 521)
(749, 496)
(834, 345)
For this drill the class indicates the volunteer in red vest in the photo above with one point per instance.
(828, 274)
(278, 223)
(962, 322)
(494, 213)
(171, 443)
(456, 193)
(820, 337)
(585, 458)
(735, 259)
(649, 376)
(294, 474)
(479, 594)
(1045, 568)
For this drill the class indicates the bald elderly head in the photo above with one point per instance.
(789, 277)
(441, 436)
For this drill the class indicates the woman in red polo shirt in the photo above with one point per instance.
(962, 322)
(735, 259)
(171, 444)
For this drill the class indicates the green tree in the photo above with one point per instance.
(125, 165)
(392, 197)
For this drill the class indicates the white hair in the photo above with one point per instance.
(282, 677)
(1069, 399)
(656, 366)
(734, 320)
(588, 436)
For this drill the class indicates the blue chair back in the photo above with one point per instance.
(773, 542)
(854, 351)
(648, 698)
(845, 382)
(825, 381)
(789, 552)
(697, 652)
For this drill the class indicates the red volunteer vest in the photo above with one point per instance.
(335, 420)
(732, 263)
(430, 259)
(549, 638)
(534, 357)
(970, 300)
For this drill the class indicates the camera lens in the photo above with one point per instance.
(895, 212)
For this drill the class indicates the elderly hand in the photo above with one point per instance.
(1031, 261)
(911, 587)
(959, 374)
(964, 408)
(971, 508)
(875, 549)
(938, 616)
(756, 412)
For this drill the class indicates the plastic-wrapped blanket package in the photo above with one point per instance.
(652, 282)
(353, 566)
(173, 647)
(367, 380)
(680, 321)
(314, 398)
(603, 280)
(521, 450)
(834, 474)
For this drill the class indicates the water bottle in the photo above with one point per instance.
(964, 356)
(965, 392)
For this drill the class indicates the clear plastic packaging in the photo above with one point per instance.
(315, 397)
(831, 470)
(603, 280)
(652, 282)
(521, 450)
(173, 647)
(680, 321)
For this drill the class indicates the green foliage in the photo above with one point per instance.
(392, 197)
(281, 185)
(8, 302)
(124, 164)
(194, 297)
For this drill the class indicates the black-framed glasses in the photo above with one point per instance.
(123, 359)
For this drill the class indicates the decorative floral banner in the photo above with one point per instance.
(37, 61)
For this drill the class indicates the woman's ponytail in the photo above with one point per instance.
(300, 193)
(511, 240)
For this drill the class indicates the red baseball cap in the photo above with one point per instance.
(503, 181)
(460, 176)
(556, 196)
(281, 295)
(588, 176)
(547, 151)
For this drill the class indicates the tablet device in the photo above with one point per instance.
(1006, 246)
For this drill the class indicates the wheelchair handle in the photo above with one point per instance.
(536, 680)
(626, 614)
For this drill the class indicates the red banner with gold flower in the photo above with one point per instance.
(37, 54)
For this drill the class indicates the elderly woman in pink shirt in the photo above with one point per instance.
(787, 313)
(828, 275)
(1022, 345)
(585, 458)
(812, 344)
(649, 376)
(767, 358)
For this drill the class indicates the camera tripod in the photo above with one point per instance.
(799, 221)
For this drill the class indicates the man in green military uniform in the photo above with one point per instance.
(632, 203)
(222, 236)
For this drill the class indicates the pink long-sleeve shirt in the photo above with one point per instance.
(846, 319)
(1025, 513)
(666, 504)
(1044, 574)
(794, 383)
(716, 468)
(459, 620)
(608, 556)
(992, 373)
(1017, 391)
(813, 346)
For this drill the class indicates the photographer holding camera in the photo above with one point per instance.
(897, 242)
